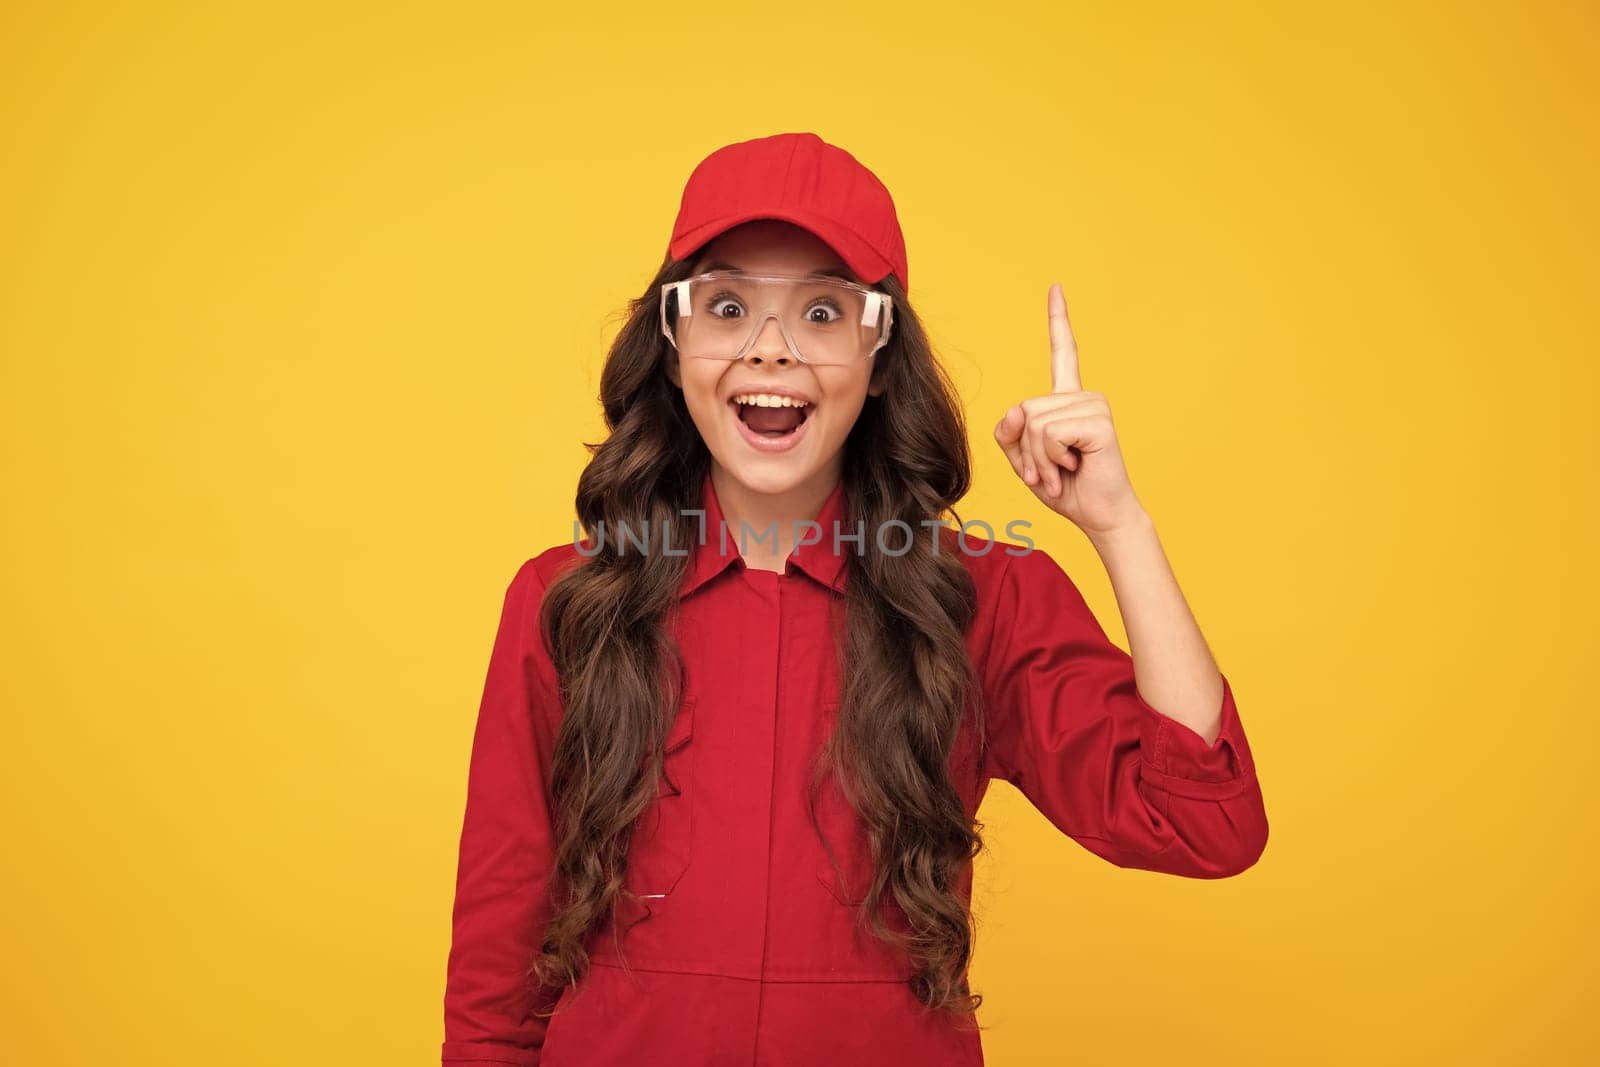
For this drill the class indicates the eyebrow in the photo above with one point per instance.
(830, 272)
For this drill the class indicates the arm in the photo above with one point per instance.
(506, 851)
(1069, 727)
(1175, 669)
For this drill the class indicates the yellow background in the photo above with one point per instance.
(303, 308)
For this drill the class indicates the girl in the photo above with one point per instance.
(723, 790)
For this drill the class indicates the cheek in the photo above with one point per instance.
(699, 380)
(843, 396)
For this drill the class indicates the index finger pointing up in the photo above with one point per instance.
(1063, 347)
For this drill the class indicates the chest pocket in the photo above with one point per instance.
(658, 852)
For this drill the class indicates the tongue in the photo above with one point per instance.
(771, 420)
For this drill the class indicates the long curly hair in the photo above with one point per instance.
(907, 678)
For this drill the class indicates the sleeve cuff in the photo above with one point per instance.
(1178, 760)
(484, 1054)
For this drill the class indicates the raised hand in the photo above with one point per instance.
(1063, 445)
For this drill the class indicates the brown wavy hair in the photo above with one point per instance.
(907, 678)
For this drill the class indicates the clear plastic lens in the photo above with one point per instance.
(721, 315)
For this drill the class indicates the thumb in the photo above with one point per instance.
(1008, 433)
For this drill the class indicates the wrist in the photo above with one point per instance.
(1137, 527)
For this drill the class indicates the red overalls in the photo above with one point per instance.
(743, 951)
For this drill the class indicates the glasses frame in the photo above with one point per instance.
(877, 301)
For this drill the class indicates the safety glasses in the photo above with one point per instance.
(829, 321)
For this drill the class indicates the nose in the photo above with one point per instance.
(771, 344)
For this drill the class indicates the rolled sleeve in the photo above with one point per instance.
(1178, 760)
(1067, 726)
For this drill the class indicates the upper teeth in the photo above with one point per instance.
(769, 400)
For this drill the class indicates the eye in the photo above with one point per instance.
(723, 302)
(830, 310)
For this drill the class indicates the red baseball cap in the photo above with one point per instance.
(800, 178)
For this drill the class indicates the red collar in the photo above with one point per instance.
(818, 560)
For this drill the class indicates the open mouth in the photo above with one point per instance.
(770, 414)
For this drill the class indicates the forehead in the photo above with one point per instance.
(775, 246)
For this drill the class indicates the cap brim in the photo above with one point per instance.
(868, 265)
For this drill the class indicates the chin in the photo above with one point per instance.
(769, 474)
(772, 478)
